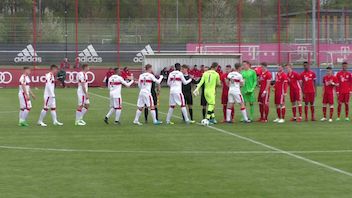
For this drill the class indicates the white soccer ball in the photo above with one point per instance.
(205, 122)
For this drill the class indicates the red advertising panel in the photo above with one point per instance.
(9, 77)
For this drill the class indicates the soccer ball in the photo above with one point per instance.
(205, 122)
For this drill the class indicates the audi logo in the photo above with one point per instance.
(5, 77)
(71, 77)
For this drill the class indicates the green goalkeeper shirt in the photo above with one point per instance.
(250, 81)
(210, 79)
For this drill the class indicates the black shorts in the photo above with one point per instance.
(203, 101)
(188, 98)
(155, 98)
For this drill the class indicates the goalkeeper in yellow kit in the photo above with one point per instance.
(210, 80)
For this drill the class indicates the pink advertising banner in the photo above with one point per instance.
(268, 52)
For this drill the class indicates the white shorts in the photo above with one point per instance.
(116, 103)
(235, 98)
(177, 99)
(145, 99)
(49, 102)
(24, 102)
(82, 99)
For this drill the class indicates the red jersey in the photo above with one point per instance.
(344, 79)
(329, 82)
(258, 70)
(293, 80)
(225, 88)
(281, 82)
(308, 81)
(263, 80)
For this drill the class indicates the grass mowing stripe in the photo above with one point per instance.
(263, 145)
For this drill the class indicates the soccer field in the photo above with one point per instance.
(308, 159)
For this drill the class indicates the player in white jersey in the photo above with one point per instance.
(175, 81)
(115, 83)
(82, 94)
(23, 96)
(145, 97)
(234, 82)
(49, 98)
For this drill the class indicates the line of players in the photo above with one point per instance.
(302, 89)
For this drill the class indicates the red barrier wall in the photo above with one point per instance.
(9, 77)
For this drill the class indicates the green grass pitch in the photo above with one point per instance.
(256, 160)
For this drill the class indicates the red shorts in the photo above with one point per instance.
(265, 99)
(295, 95)
(309, 97)
(328, 98)
(344, 97)
(279, 98)
(224, 98)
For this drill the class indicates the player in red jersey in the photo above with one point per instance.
(280, 94)
(294, 82)
(225, 92)
(264, 92)
(343, 90)
(329, 82)
(309, 89)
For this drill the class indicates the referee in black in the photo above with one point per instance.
(187, 91)
(155, 91)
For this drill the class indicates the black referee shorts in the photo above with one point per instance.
(188, 98)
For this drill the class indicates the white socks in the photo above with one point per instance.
(244, 114)
(53, 116)
(228, 114)
(153, 115)
(169, 114)
(42, 116)
(184, 112)
(117, 114)
(110, 112)
(138, 114)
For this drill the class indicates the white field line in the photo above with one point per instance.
(266, 146)
(161, 152)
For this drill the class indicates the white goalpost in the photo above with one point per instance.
(159, 61)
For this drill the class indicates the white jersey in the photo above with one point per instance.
(24, 80)
(49, 85)
(145, 82)
(115, 84)
(82, 78)
(235, 82)
(175, 81)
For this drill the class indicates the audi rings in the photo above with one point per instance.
(71, 77)
(5, 77)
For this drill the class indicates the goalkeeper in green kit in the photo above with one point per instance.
(250, 83)
(210, 80)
